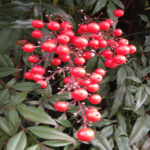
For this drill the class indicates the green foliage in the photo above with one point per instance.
(27, 118)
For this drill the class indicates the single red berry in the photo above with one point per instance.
(62, 50)
(48, 46)
(69, 33)
(83, 28)
(123, 42)
(110, 21)
(37, 77)
(93, 87)
(61, 106)
(63, 39)
(96, 78)
(100, 71)
(78, 72)
(95, 99)
(119, 59)
(79, 60)
(107, 53)
(37, 34)
(37, 24)
(104, 25)
(132, 49)
(93, 116)
(64, 58)
(118, 13)
(87, 55)
(80, 42)
(53, 25)
(122, 50)
(85, 134)
(94, 44)
(93, 27)
(117, 32)
(109, 63)
(28, 75)
(33, 59)
(42, 83)
(38, 70)
(67, 79)
(102, 43)
(56, 61)
(52, 41)
(28, 48)
(66, 25)
(80, 94)
(85, 82)
(90, 109)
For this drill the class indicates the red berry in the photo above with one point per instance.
(64, 58)
(80, 42)
(38, 70)
(85, 134)
(62, 50)
(107, 53)
(53, 25)
(37, 77)
(100, 71)
(28, 75)
(66, 25)
(104, 25)
(122, 50)
(123, 42)
(61, 106)
(63, 39)
(87, 55)
(83, 28)
(78, 72)
(102, 43)
(42, 83)
(110, 21)
(117, 32)
(37, 34)
(37, 24)
(132, 49)
(69, 33)
(93, 87)
(79, 60)
(93, 116)
(94, 44)
(119, 59)
(80, 94)
(93, 27)
(95, 99)
(118, 13)
(85, 82)
(52, 41)
(67, 79)
(33, 59)
(109, 63)
(48, 46)
(96, 78)
(56, 61)
(90, 109)
(28, 48)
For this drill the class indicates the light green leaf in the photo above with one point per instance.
(34, 147)
(107, 131)
(35, 114)
(17, 142)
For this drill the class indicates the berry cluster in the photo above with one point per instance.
(69, 53)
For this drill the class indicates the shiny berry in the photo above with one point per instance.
(62, 50)
(104, 25)
(63, 39)
(37, 24)
(118, 13)
(110, 21)
(95, 99)
(102, 43)
(122, 50)
(69, 33)
(53, 25)
(56, 61)
(123, 42)
(42, 83)
(33, 59)
(85, 82)
(87, 55)
(48, 46)
(90, 109)
(93, 27)
(66, 25)
(61, 106)
(38, 70)
(28, 75)
(119, 59)
(64, 58)
(79, 60)
(117, 32)
(28, 48)
(67, 79)
(80, 42)
(132, 49)
(96, 78)
(37, 77)
(94, 44)
(93, 87)
(78, 72)
(93, 116)
(109, 63)
(83, 28)
(107, 53)
(100, 71)
(37, 34)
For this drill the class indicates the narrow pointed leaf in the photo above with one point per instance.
(34, 147)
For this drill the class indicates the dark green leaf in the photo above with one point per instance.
(144, 17)
(91, 64)
(118, 3)
(5, 61)
(4, 96)
(110, 9)
(146, 71)
(107, 131)
(135, 79)
(19, 97)
(121, 75)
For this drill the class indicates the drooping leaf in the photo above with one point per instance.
(4, 96)
(118, 3)
(135, 79)
(121, 76)
(5, 61)
(17, 142)
(34, 147)
(35, 114)
(110, 9)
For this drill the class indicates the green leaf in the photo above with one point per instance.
(17, 142)
(6, 71)
(121, 76)
(48, 133)
(118, 3)
(107, 131)
(4, 96)
(70, 3)
(5, 61)
(100, 4)
(91, 64)
(6, 126)
(35, 114)
(18, 98)
(34, 147)
(140, 129)
(118, 99)
(110, 9)
(26, 86)
(101, 142)
(141, 97)
(135, 79)
(147, 88)
(144, 17)
(122, 143)
(146, 71)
